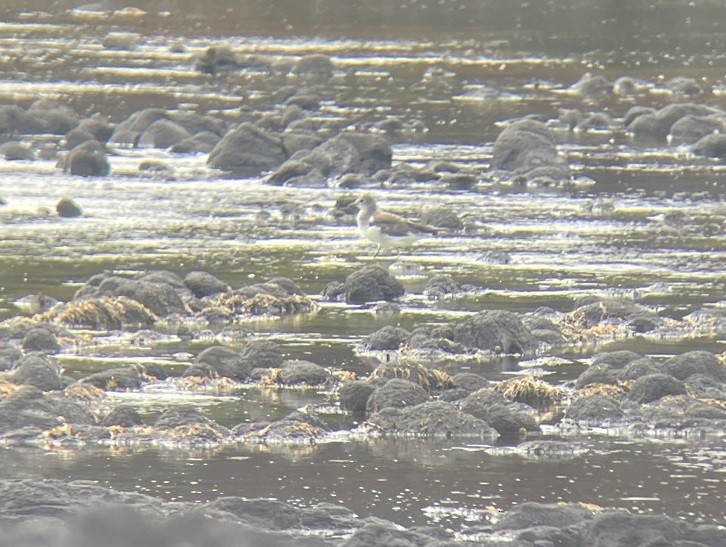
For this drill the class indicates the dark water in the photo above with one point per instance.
(452, 71)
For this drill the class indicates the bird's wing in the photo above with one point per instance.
(395, 225)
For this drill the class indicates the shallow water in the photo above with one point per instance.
(452, 71)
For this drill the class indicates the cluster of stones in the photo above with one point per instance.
(89, 514)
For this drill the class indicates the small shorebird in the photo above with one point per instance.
(387, 230)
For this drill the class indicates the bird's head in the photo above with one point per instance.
(366, 201)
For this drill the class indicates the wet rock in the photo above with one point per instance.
(473, 382)
(547, 449)
(374, 152)
(31, 408)
(711, 146)
(496, 331)
(77, 136)
(610, 311)
(354, 395)
(595, 408)
(115, 379)
(388, 338)
(697, 385)
(597, 374)
(87, 160)
(681, 412)
(157, 168)
(15, 151)
(9, 356)
(615, 359)
(218, 59)
(263, 353)
(221, 362)
(684, 86)
(378, 532)
(68, 208)
(122, 41)
(524, 145)
(98, 126)
(652, 387)
(620, 528)
(637, 368)
(635, 112)
(162, 133)
(37, 371)
(16, 121)
(247, 152)
(530, 514)
(530, 391)
(396, 393)
(441, 285)
(626, 86)
(102, 313)
(505, 419)
(204, 284)
(367, 284)
(592, 86)
(295, 428)
(202, 142)
(431, 419)
(429, 379)
(124, 416)
(442, 217)
(57, 118)
(183, 415)
(689, 129)
(271, 298)
(656, 126)
(695, 362)
(306, 100)
(596, 121)
(297, 372)
(40, 339)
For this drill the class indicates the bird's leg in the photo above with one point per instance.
(378, 250)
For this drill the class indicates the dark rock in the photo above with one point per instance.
(524, 144)
(224, 361)
(202, 142)
(124, 416)
(162, 133)
(369, 284)
(592, 87)
(156, 292)
(68, 208)
(698, 385)
(441, 217)
(441, 285)
(374, 152)
(181, 416)
(530, 514)
(615, 359)
(40, 339)
(656, 126)
(473, 382)
(98, 126)
(263, 353)
(608, 310)
(30, 407)
(14, 151)
(354, 395)
(637, 368)
(296, 372)
(305, 100)
(57, 118)
(684, 86)
(431, 419)
(388, 338)
(377, 532)
(37, 371)
(711, 146)
(9, 357)
(115, 379)
(87, 160)
(652, 387)
(635, 112)
(597, 374)
(156, 168)
(247, 152)
(596, 121)
(77, 136)
(615, 528)
(497, 331)
(695, 362)
(505, 419)
(204, 284)
(16, 121)
(595, 408)
(689, 129)
(396, 393)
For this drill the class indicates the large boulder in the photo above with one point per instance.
(57, 118)
(88, 159)
(652, 387)
(711, 146)
(354, 395)
(524, 145)
(220, 361)
(247, 152)
(695, 362)
(498, 331)
(300, 372)
(16, 121)
(31, 408)
(40, 339)
(595, 408)
(37, 371)
(162, 133)
(396, 393)
(388, 338)
(204, 284)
